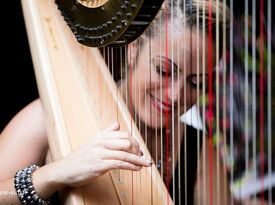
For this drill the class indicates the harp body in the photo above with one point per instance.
(80, 98)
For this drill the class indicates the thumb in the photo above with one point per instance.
(113, 127)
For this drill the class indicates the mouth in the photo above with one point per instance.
(161, 106)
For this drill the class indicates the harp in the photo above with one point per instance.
(68, 93)
(81, 98)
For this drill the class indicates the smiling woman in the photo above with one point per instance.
(163, 79)
(155, 65)
(162, 82)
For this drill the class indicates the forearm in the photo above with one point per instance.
(7, 193)
(44, 181)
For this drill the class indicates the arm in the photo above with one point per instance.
(16, 147)
(44, 184)
(25, 137)
(17, 141)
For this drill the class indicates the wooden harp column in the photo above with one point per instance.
(73, 95)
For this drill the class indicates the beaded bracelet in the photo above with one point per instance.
(24, 187)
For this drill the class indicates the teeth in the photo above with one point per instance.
(161, 105)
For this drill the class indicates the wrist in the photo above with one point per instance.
(23, 184)
(46, 181)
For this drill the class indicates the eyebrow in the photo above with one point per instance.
(170, 61)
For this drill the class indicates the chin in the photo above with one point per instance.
(159, 126)
(155, 123)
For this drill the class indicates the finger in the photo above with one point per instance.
(113, 127)
(119, 141)
(124, 135)
(127, 157)
(118, 164)
(115, 134)
(128, 145)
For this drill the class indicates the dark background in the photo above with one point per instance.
(17, 84)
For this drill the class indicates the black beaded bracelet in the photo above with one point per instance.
(24, 187)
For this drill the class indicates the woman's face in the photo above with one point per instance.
(162, 83)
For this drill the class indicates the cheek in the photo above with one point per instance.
(156, 78)
(154, 82)
(138, 88)
(139, 83)
(144, 81)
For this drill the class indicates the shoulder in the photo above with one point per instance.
(31, 117)
(28, 123)
(35, 107)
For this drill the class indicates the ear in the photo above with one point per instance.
(132, 52)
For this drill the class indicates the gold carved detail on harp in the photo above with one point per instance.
(92, 3)
(98, 23)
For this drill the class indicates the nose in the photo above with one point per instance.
(174, 91)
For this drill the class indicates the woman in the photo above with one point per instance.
(168, 87)
(112, 148)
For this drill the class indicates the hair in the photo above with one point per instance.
(190, 14)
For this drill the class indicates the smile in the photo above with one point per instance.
(161, 106)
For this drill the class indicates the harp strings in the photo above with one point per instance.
(217, 135)
(184, 105)
(262, 120)
(156, 133)
(254, 83)
(178, 143)
(246, 86)
(198, 107)
(269, 112)
(168, 148)
(210, 99)
(150, 105)
(168, 138)
(203, 107)
(231, 94)
(224, 99)
(171, 132)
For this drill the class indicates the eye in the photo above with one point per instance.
(165, 67)
(196, 80)
(162, 71)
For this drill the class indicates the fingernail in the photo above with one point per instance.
(141, 152)
(149, 162)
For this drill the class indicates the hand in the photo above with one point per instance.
(110, 149)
